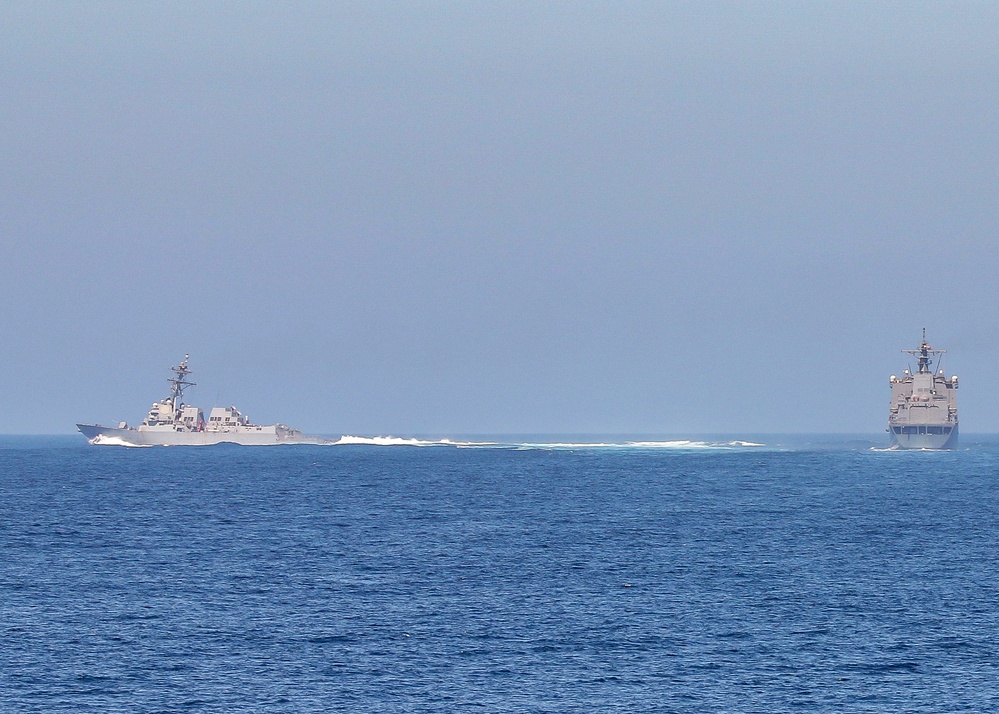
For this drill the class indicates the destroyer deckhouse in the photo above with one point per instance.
(923, 410)
(170, 422)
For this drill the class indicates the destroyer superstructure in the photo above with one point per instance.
(170, 422)
(923, 411)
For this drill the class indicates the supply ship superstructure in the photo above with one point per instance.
(170, 422)
(923, 411)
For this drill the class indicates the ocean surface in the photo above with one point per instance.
(758, 574)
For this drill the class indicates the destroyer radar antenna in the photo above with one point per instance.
(179, 383)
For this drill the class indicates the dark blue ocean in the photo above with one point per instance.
(813, 574)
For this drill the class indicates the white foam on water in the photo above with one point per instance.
(347, 439)
(677, 444)
(670, 444)
(896, 447)
(560, 445)
(551, 446)
(104, 440)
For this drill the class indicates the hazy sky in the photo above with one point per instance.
(494, 217)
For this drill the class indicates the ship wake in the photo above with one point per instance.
(105, 440)
(682, 444)
(402, 441)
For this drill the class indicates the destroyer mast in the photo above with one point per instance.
(177, 386)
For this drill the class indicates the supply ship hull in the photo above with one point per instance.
(923, 409)
(924, 437)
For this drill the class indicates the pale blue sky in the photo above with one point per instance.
(472, 217)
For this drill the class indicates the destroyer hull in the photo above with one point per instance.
(114, 436)
(908, 437)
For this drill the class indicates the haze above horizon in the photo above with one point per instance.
(493, 218)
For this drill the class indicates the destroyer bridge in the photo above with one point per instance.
(923, 409)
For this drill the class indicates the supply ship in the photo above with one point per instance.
(923, 411)
(170, 422)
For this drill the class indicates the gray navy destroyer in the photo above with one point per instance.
(170, 422)
(923, 411)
